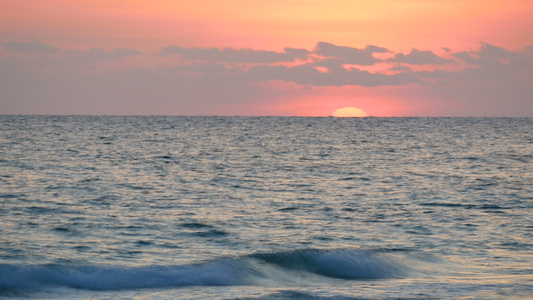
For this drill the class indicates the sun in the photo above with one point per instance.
(349, 112)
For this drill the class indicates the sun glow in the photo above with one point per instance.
(349, 112)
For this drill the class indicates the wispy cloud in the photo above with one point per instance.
(237, 55)
(418, 57)
(30, 47)
(188, 77)
(349, 55)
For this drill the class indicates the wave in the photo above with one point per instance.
(282, 267)
(344, 264)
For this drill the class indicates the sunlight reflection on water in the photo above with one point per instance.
(448, 199)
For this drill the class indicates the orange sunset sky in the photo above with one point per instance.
(288, 58)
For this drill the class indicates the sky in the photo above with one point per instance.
(267, 58)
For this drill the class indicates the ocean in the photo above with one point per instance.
(161, 207)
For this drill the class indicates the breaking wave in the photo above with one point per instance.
(286, 267)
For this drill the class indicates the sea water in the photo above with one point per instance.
(113, 207)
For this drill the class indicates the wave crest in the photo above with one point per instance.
(246, 270)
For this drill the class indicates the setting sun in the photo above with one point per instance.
(349, 112)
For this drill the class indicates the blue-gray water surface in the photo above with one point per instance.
(265, 208)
